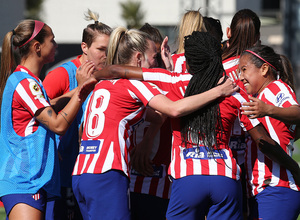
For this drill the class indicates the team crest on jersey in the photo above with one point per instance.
(202, 153)
(280, 97)
(35, 89)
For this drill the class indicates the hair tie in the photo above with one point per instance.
(255, 54)
(13, 31)
(96, 22)
(38, 25)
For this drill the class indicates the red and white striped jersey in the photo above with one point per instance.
(238, 137)
(27, 99)
(196, 160)
(167, 81)
(113, 112)
(261, 171)
(179, 62)
(231, 68)
(159, 184)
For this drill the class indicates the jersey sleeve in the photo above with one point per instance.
(28, 94)
(166, 80)
(279, 95)
(144, 91)
(56, 83)
(246, 123)
(179, 62)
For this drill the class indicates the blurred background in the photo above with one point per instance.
(280, 22)
(280, 19)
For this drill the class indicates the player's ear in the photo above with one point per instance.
(84, 48)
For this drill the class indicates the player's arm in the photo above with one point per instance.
(190, 104)
(257, 108)
(119, 71)
(140, 154)
(274, 151)
(59, 123)
(83, 74)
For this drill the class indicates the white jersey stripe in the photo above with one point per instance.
(230, 64)
(109, 158)
(164, 78)
(20, 90)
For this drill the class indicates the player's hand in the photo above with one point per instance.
(166, 55)
(86, 88)
(228, 87)
(255, 108)
(84, 72)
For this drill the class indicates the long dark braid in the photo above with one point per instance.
(204, 62)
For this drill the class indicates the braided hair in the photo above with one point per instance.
(204, 62)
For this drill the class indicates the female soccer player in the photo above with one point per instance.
(29, 165)
(201, 157)
(94, 43)
(274, 189)
(115, 109)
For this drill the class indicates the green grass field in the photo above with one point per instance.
(296, 156)
(2, 214)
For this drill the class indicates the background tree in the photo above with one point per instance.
(132, 14)
(33, 9)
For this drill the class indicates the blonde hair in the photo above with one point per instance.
(190, 22)
(90, 15)
(92, 30)
(123, 43)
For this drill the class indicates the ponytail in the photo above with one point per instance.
(16, 45)
(92, 30)
(117, 34)
(8, 62)
(287, 74)
(123, 43)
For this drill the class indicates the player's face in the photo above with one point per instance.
(97, 51)
(48, 47)
(150, 61)
(251, 76)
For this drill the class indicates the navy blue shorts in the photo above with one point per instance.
(102, 196)
(37, 200)
(275, 203)
(197, 196)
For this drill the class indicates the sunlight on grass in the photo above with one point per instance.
(2, 214)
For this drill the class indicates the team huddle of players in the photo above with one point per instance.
(206, 132)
